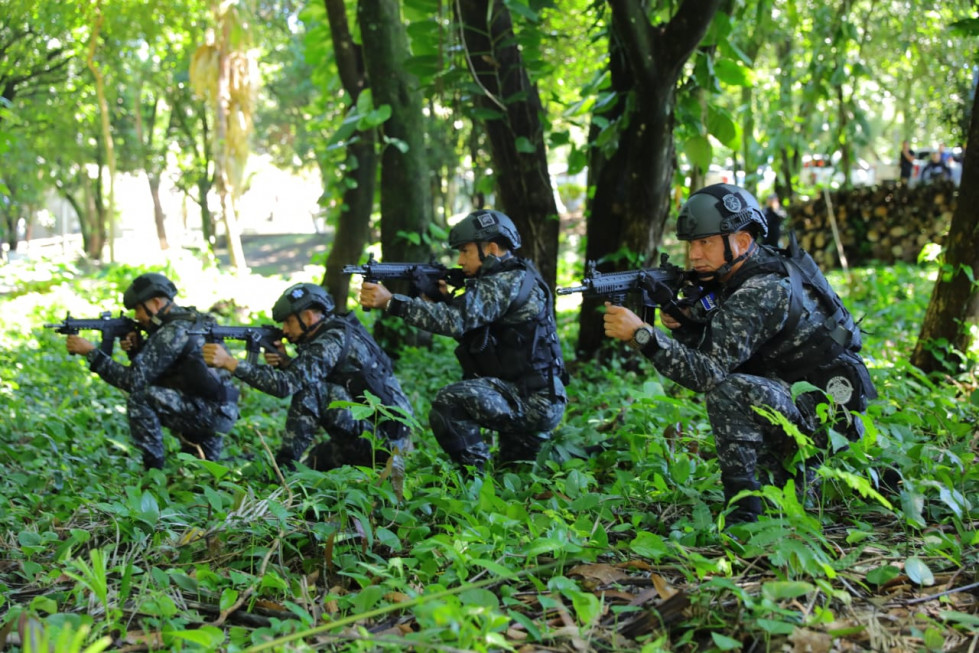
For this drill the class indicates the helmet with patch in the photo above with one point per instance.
(147, 286)
(482, 226)
(719, 209)
(298, 298)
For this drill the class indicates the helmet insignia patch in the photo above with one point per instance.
(297, 293)
(733, 203)
(486, 220)
(840, 389)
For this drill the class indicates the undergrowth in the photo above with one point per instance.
(611, 541)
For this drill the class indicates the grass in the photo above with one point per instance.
(618, 551)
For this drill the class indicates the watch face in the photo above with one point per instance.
(642, 336)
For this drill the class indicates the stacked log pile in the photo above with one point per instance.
(882, 224)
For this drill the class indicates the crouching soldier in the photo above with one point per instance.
(336, 360)
(512, 365)
(767, 319)
(167, 380)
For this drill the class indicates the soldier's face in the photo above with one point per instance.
(291, 328)
(707, 254)
(469, 256)
(469, 259)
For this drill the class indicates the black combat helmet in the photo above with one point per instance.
(719, 209)
(298, 298)
(482, 226)
(147, 286)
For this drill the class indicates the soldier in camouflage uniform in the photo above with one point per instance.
(513, 369)
(761, 326)
(167, 380)
(336, 360)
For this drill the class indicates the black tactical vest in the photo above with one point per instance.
(527, 353)
(189, 373)
(831, 359)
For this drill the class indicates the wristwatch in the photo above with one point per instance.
(641, 337)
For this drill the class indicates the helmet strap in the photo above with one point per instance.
(155, 316)
(725, 269)
(308, 329)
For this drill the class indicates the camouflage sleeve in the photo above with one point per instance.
(485, 300)
(746, 320)
(160, 351)
(312, 364)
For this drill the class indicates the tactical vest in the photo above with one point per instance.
(830, 360)
(528, 353)
(374, 373)
(189, 373)
(372, 376)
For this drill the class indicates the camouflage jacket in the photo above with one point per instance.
(169, 357)
(492, 299)
(318, 361)
(743, 330)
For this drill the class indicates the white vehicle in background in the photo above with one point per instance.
(820, 170)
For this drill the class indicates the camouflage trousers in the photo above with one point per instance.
(750, 449)
(523, 422)
(309, 411)
(199, 421)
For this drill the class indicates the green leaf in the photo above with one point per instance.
(586, 606)
(722, 127)
(964, 618)
(209, 637)
(524, 145)
(649, 545)
(778, 590)
(882, 575)
(732, 73)
(726, 643)
(775, 627)
(918, 571)
(698, 151)
(228, 598)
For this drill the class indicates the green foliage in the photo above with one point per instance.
(96, 550)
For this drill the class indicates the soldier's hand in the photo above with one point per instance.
(215, 355)
(278, 358)
(374, 295)
(129, 341)
(668, 320)
(620, 322)
(78, 345)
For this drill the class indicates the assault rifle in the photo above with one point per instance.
(656, 286)
(111, 327)
(256, 338)
(424, 277)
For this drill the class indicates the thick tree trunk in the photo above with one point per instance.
(516, 135)
(406, 201)
(353, 223)
(954, 307)
(631, 201)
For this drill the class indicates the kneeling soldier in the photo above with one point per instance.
(337, 360)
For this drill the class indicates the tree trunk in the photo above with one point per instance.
(105, 213)
(353, 223)
(406, 205)
(954, 307)
(630, 205)
(159, 217)
(516, 135)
